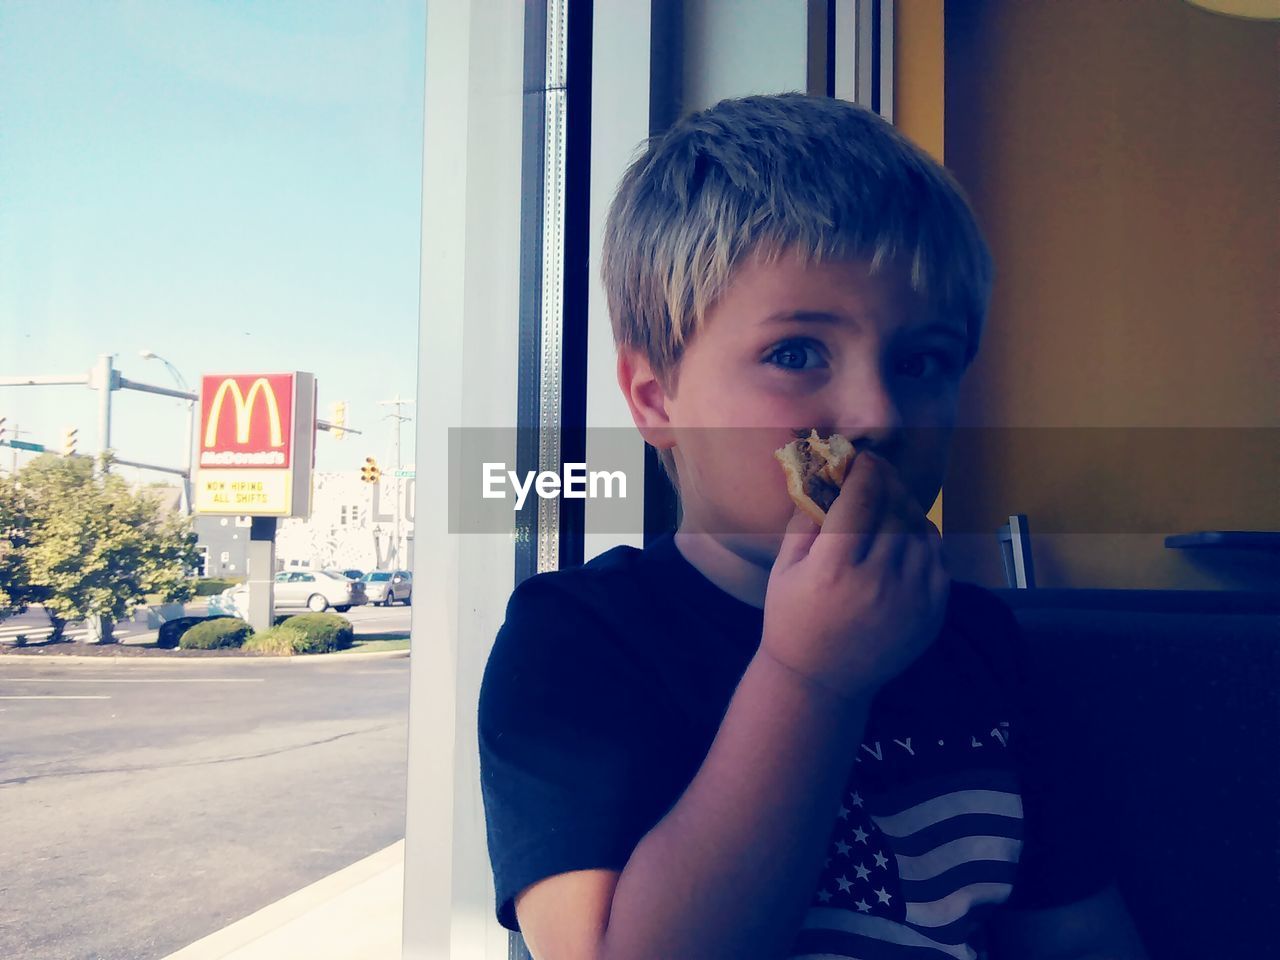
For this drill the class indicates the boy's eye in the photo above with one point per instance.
(795, 355)
(917, 366)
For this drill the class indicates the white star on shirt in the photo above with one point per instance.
(856, 799)
(884, 897)
(881, 860)
(844, 812)
(859, 834)
(844, 883)
(824, 897)
(863, 872)
(863, 907)
(843, 847)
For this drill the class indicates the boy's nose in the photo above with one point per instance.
(867, 413)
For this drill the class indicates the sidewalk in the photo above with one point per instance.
(354, 914)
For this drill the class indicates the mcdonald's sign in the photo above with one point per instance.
(256, 444)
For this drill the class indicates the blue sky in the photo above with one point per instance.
(233, 184)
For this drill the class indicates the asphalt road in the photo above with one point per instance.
(143, 807)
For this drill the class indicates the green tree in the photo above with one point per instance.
(93, 547)
(15, 588)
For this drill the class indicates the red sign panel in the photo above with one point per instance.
(246, 420)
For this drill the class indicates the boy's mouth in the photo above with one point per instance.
(815, 468)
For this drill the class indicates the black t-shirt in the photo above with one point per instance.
(607, 684)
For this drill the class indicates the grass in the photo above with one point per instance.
(374, 645)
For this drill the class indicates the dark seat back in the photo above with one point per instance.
(1177, 696)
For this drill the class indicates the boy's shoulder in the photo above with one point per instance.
(561, 613)
(599, 586)
(574, 641)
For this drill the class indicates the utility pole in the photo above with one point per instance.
(106, 379)
(17, 433)
(399, 418)
(101, 380)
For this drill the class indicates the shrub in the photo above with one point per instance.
(278, 642)
(322, 632)
(212, 586)
(171, 631)
(215, 633)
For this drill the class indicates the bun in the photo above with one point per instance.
(815, 469)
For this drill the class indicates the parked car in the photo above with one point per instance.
(389, 586)
(351, 573)
(229, 603)
(315, 590)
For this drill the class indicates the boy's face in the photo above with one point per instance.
(788, 347)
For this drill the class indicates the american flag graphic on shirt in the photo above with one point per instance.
(912, 871)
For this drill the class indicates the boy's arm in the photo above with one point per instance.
(730, 870)
(1095, 928)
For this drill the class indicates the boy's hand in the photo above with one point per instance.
(852, 604)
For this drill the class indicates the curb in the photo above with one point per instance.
(116, 661)
(243, 933)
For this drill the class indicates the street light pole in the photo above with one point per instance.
(101, 379)
(398, 402)
(188, 457)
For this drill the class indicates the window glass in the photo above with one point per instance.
(199, 196)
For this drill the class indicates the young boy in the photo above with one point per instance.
(758, 737)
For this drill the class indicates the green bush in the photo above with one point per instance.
(171, 631)
(215, 633)
(212, 586)
(278, 642)
(322, 632)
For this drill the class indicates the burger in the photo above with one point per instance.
(815, 468)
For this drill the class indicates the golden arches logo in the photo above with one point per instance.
(244, 411)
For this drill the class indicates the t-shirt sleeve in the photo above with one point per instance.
(565, 738)
(1069, 843)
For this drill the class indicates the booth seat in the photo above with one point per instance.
(1174, 698)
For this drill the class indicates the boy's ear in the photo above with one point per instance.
(646, 398)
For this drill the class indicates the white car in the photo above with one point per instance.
(389, 586)
(315, 590)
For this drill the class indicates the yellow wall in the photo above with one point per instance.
(1123, 159)
(918, 72)
(918, 87)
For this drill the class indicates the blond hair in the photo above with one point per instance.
(768, 175)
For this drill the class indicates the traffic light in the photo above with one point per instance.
(370, 473)
(339, 420)
(69, 437)
(4, 429)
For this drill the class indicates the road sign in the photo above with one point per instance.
(24, 445)
(406, 473)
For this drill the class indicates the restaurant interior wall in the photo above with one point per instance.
(1122, 158)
